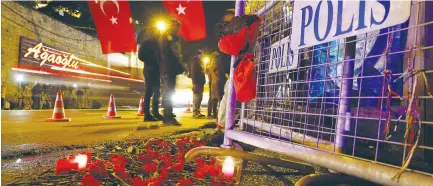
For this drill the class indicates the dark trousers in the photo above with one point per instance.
(152, 85)
(197, 97)
(37, 101)
(169, 84)
(212, 108)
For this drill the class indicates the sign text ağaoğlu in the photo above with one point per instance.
(44, 54)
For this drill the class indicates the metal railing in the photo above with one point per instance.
(357, 105)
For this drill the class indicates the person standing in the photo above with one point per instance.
(79, 97)
(66, 97)
(148, 53)
(198, 81)
(3, 89)
(28, 97)
(169, 67)
(37, 96)
(212, 74)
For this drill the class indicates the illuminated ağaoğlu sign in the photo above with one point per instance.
(36, 54)
(45, 55)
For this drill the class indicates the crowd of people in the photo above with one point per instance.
(161, 66)
(36, 96)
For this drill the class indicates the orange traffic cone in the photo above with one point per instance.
(59, 111)
(111, 109)
(188, 108)
(141, 107)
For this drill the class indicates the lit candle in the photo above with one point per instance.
(81, 160)
(228, 167)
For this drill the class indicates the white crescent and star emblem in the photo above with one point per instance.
(101, 5)
(180, 10)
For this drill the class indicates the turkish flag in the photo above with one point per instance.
(190, 14)
(113, 23)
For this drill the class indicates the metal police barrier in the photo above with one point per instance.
(343, 85)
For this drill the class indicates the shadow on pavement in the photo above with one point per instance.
(106, 131)
(100, 124)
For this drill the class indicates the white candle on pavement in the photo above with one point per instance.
(228, 167)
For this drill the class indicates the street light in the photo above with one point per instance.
(206, 60)
(161, 26)
(20, 78)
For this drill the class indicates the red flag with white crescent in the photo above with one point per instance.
(113, 23)
(190, 14)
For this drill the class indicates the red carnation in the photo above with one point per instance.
(64, 166)
(113, 157)
(212, 170)
(98, 172)
(125, 176)
(215, 182)
(89, 180)
(138, 181)
(144, 159)
(166, 160)
(152, 154)
(200, 174)
(185, 182)
(212, 160)
(150, 167)
(163, 175)
(178, 167)
(226, 179)
(179, 158)
(199, 161)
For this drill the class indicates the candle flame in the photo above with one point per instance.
(228, 166)
(81, 160)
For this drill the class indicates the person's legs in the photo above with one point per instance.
(155, 99)
(169, 83)
(197, 98)
(214, 108)
(147, 94)
(209, 102)
(222, 108)
(38, 102)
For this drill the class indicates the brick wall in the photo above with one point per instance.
(41, 27)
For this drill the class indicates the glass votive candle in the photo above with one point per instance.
(231, 167)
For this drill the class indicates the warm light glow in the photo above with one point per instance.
(81, 160)
(206, 60)
(31, 71)
(96, 74)
(74, 85)
(18, 160)
(182, 96)
(161, 25)
(228, 167)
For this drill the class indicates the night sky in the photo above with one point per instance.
(145, 12)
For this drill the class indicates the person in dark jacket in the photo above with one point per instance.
(149, 54)
(170, 67)
(198, 81)
(37, 96)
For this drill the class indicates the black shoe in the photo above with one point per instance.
(171, 122)
(158, 116)
(198, 115)
(149, 117)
